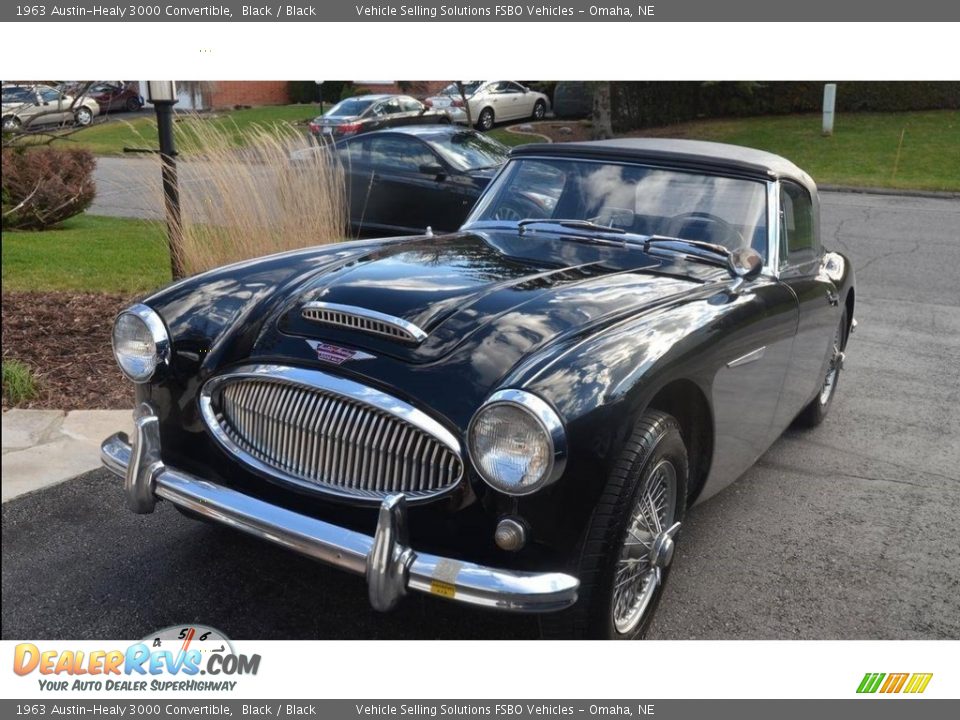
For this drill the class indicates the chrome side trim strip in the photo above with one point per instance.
(390, 566)
(378, 323)
(750, 357)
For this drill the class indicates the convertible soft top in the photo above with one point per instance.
(695, 154)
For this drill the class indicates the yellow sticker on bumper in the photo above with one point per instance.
(438, 587)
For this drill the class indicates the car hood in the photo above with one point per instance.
(496, 292)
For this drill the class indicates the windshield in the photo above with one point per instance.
(349, 108)
(469, 88)
(470, 150)
(641, 200)
(17, 95)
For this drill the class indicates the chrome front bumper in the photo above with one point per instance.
(389, 564)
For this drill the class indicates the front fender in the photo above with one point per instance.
(601, 385)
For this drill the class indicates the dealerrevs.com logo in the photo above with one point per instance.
(177, 658)
(889, 683)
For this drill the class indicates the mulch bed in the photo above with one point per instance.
(580, 130)
(65, 339)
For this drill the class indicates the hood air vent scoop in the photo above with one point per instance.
(363, 320)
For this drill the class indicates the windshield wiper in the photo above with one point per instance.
(714, 248)
(574, 224)
(707, 252)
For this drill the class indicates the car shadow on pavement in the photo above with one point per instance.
(77, 564)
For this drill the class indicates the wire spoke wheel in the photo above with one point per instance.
(830, 380)
(647, 547)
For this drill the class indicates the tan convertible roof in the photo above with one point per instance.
(694, 154)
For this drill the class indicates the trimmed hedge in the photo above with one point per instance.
(638, 105)
(46, 186)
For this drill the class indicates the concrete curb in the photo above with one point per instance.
(45, 447)
(931, 194)
(514, 130)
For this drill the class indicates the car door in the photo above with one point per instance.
(507, 100)
(410, 184)
(818, 300)
(354, 156)
(758, 333)
(53, 106)
(525, 101)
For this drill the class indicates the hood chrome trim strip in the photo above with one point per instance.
(365, 320)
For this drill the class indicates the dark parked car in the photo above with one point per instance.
(115, 97)
(516, 415)
(372, 112)
(408, 179)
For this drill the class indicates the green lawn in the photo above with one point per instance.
(88, 254)
(510, 138)
(110, 138)
(863, 150)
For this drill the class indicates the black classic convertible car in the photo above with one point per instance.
(516, 415)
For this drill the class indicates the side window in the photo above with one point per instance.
(49, 95)
(797, 240)
(410, 105)
(387, 107)
(354, 152)
(400, 153)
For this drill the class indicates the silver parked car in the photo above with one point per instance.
(490, 101)
(26, 106)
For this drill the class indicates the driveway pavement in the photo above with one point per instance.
(849, 531)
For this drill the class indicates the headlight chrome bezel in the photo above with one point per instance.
(158, 334)
(549, 421)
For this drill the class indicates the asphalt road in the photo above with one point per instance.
(849, 531)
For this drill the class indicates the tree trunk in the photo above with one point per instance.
(466, 105)
(602, 124)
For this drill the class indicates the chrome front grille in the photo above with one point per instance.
(364, 320)
(331, 434)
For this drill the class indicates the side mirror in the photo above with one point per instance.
(434, 169)
(745, 264)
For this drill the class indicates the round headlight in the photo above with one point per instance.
(140, 342)
(517, 442)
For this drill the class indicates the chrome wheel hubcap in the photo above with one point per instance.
(647, 548)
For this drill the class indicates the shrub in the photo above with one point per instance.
(638, 105)
(44, 187)
(19, 384)
(303, 91)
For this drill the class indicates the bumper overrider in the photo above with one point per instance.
(389, 564)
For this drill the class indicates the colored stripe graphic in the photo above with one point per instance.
(918, 682)
(870, 682)
(895, 683)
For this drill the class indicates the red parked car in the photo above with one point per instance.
(116, 96)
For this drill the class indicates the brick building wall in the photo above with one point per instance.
(417, 88)
(227, 93)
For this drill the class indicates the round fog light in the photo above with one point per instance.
(510, 535)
